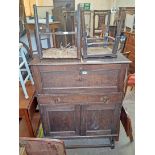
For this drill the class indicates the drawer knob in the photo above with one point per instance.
(105, 99)
(57, 100)
(83, 72)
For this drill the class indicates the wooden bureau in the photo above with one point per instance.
(80, 99)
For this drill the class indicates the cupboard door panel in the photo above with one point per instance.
(99, 120)
(60, 120)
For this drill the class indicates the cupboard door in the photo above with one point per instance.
(97, 119)
(60, 120)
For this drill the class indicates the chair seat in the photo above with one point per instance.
(60, 53)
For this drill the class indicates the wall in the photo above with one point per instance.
(42, 10)
(47, 2)
(96, 4)
(125, 3)
(28, 4)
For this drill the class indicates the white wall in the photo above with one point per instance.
(99, 4)
(96, 4)
(48, 2)
(125, 3)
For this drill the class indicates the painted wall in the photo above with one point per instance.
(48, 2)
(96, 4)
(125, 3)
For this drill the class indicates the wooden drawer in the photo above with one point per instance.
(80, 76)
(108, 98)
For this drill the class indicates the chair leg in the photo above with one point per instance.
(131, 88)
(130, 130)
(27, 68)
(23, 84)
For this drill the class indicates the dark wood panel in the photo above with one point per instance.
(74, 79)
(121, 76)
(98, 120)
(71, 90)
(60, 119)
(73, 67)
(81, 77)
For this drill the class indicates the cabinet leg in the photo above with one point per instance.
(112, 143)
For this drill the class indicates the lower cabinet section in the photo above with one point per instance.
(62, 120)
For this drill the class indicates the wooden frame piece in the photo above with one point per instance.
(47, 33)
(116, 40)
(130, 11)
(101, 15)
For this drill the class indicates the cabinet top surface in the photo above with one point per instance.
(120, 59)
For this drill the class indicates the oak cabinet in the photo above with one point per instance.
(80, 99)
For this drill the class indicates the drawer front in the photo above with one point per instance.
(80, 76)
(109, 98)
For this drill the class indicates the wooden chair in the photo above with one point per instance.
(99, 21)
(43, 146)
(106, 46)
(65, 46)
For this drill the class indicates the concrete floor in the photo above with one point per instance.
(123, 146)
